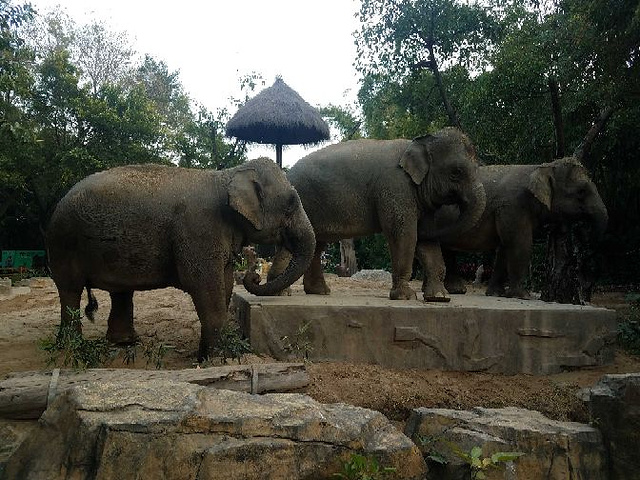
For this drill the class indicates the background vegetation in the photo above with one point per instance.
(526, 79)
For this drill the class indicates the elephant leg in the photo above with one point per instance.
(496, 287)
(314, 281)
(70, 308)
(211, 307)
(403, 249)
(280, 261)
(120, 323)
(228, 282)
(518, 260)
(430, 257)
(453, 281)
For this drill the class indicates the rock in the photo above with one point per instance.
(614, 403)
(372, 275)
(552, 450)
(40, 282)
(12, 434)
(174, 430)
(5, 286)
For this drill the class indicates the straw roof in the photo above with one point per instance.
(280, 116)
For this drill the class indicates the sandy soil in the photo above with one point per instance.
(168, 316)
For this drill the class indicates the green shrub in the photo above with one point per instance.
(359, 467)
(629, 325)
(68, 348)
(230, 343)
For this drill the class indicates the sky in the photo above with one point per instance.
(214, 42)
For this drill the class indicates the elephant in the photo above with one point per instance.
(520, 199)
(361, 187)
(144, 227)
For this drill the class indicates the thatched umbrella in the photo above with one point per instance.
(280, 116)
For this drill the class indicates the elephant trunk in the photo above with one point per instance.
(301, 242)
(470, 212)
(599, 220)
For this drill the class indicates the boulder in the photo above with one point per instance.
(551, 450)
(174, 430)
(614, 403)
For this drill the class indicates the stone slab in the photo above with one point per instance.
(160, 429)
(549, 449)
(471, 333)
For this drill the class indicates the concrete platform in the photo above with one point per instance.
(471, 333)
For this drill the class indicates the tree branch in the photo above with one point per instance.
(556, 111)
(584, 148)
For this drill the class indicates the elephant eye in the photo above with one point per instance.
(292, 203)
(582, 192)
(456, 174)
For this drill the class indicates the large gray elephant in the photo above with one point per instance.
(520, 199)
(148, 226)
(361, 187)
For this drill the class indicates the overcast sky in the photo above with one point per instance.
(212, 43)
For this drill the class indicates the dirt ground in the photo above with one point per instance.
(168, 316)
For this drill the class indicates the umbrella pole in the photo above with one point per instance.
(279, 155)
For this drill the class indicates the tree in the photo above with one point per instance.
(400, 36)
(104, 57)
(536, 80)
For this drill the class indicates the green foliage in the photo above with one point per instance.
(299, 344)
(478, 464)
(629, 326)
(431, 453)
(359, 467)
(75, 102)
(230, 343)
(70, 349)
(372, 252)
(497, 61)
(153, 352)
(344, 119)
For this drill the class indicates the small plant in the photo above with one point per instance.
(70, 348)
(359, 467)
(152, 351)
(629, 325)
(480, 465)
(155, 353)
(299, 345)
(230, 343)
(431, 454)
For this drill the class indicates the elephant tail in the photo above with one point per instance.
(92, 306)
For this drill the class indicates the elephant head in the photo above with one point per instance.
(260, 192)
(445, 169)
(567, 193)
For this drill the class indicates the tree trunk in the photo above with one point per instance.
(26, 395)
(582, 152)
(570, 257)
(432, 64)
(556, 110)
(570, 265)
(348, 260)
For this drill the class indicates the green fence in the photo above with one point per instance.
(26, 259)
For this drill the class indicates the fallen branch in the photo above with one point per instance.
(25, 395)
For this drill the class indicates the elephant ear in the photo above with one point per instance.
(416, 159)
(541, 184)
(246, 196)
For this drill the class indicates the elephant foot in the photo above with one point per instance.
(316, 287)
(402, 292)
(518, 293)
(455, 285)
(435, 292)
(493, 291)
(123, 338)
